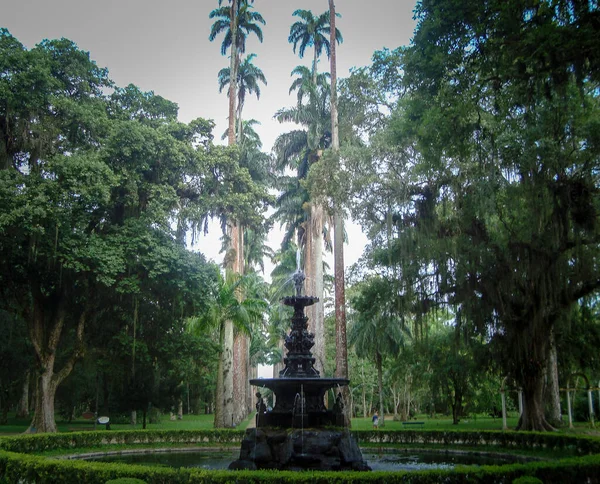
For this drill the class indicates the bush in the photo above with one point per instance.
(125, 480)
(22, 467)
(527, 480)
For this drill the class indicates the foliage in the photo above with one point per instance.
(93, 180)
(41, 469)
(247, 21)
(487, 172)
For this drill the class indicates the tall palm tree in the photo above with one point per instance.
(248, 78)
(311, 31)
(236, 22)
(341, 346)
(226, 311)
(298, 150)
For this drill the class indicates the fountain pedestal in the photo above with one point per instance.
(293, 434)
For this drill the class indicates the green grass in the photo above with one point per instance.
(189, 422)
(205, 422)
(443, 423)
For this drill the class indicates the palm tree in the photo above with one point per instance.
(311, 31)
(376, 329)
(298, 150)
(248, 79)
(247, 21)
(226, 311)
(236, 22)
(304, 82)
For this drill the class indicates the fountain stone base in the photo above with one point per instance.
(296, 449)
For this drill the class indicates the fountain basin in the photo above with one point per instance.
(299, 402)
(297, 449)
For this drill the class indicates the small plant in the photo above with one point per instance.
(527, 480)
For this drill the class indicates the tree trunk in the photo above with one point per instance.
(314, 286)
(45, 332)
(227, 375)
(43, 417)
(229, 371)
(233, 73)
(533, 407)
(379, 365)
(240, 378)
(23, 405)
(364, 392)
(552, 389)
(341, 345)
(456, 407)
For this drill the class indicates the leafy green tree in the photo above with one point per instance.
(89, 209)
(496, 215)
(455, 368)
(376, 330)
(236, 22)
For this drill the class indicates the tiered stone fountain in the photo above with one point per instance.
(299, 432)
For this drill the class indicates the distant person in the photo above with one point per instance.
(375, 420)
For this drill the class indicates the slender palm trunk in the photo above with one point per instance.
(341, 345)
(224, 401)
(314, 283)
(379, 366)
(233, 73)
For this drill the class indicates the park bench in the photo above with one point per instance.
(413, 423)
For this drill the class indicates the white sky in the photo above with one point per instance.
(164, 47)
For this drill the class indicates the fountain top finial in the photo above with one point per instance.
(298, 278)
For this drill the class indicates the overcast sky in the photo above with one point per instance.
(164, 47)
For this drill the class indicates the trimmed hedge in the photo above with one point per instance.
(36, 443)
(20, 467)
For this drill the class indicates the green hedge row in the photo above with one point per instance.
(16, 465)
(580, 445)
(35, 469)
(36, 443)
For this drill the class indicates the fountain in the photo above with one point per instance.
(299, 432)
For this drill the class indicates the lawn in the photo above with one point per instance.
(204, 422)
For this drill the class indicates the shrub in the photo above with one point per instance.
(582, 466)
(125, 480)
(527, 480)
